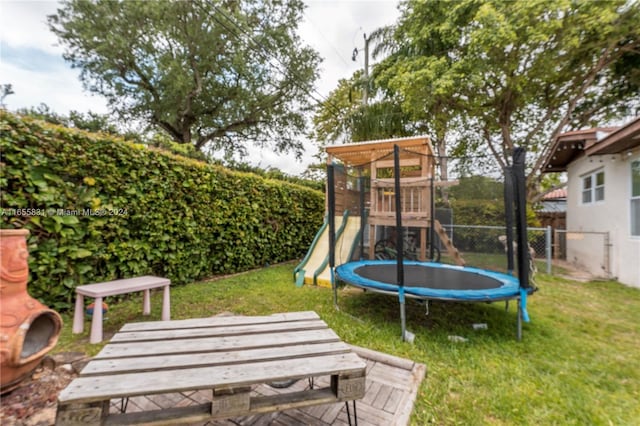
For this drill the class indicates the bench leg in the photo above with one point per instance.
(96, 322)
(166, 304)
(78, 314)
(146, 302)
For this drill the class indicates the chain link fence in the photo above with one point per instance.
(584, 250)
(554, 251)
(485, 246)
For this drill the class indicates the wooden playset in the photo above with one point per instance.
(374, 160)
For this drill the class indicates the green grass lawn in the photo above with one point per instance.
(578, 362)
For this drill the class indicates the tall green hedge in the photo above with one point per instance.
(102, 209)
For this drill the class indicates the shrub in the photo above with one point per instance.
(103, 208)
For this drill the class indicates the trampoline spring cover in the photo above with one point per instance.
(431, 280)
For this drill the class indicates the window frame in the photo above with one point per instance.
(593, 188)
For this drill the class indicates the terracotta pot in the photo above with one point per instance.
(28, 329)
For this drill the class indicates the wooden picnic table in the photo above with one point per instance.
(227, 355)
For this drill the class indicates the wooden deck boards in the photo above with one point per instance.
(395, 384)
(181, 387)
(226, 356)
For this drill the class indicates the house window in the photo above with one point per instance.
(635, 198)
(593, 187)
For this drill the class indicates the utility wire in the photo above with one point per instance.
(265, 53)
(335, 49)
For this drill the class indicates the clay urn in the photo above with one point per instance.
(28, 329)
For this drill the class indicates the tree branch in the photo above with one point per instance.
(487, 137)
(220, 132)
(172, 130)
(605, 60)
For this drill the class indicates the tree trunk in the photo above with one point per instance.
(444, 171)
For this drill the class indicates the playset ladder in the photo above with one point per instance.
(453, 252)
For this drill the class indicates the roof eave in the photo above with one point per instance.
(570, 146)
(626, 138)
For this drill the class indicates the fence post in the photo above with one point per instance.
(548, 248)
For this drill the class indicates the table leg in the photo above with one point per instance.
(166, 304)
(230, 402)
(96, 322)
(355, 414)
(146, 303)
(92, 413)
(78, 314)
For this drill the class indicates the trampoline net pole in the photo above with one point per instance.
(432, 230)
(399, 238)
(521, 215)
(331, 207)
(519, 181)
(508, 213)
(363, 216)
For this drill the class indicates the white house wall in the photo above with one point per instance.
(611, 215)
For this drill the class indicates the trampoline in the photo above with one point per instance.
(394, 206)
(431, 281)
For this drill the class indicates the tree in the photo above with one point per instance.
(438, 116)
(478, 188)
(517, 73)
(343, 117)
(91, 121)
(5, 90)
(332, 120)
(217, 74)
(45, 113)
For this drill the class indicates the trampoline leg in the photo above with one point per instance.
(519, 321)
(506, 305)
(403, 322)
(334, 287)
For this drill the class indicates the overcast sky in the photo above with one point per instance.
(31, 60)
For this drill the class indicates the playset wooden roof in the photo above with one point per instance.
(357, 154)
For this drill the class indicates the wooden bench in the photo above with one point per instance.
(226, 356)
(111, 288)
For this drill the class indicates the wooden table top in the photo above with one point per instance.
(212, 353)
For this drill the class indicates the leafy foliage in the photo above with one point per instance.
(277, 174)
(514, 73)
(477, 188)
(110, 209)
(5, 90)
(479, 200)
(90, 121)
(214, 74)
(343, 117)
(94, 122)
(332, 120)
